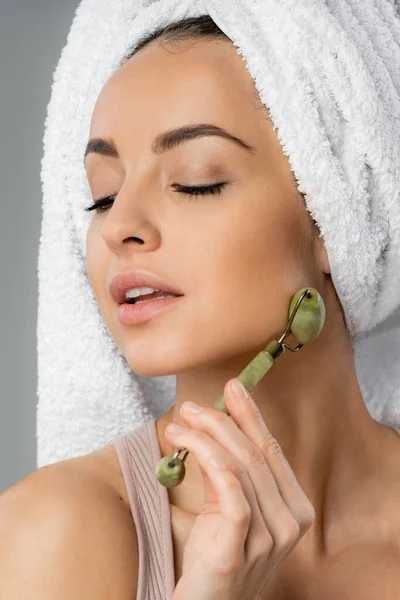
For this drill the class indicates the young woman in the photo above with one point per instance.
(303, 499)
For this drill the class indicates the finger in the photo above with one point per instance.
(231, 486)
(246, 415)
(276, 516)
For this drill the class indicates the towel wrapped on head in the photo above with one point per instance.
(329, 73)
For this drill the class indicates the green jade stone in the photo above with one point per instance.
(310, 316)
(254, 372)
(170, 471)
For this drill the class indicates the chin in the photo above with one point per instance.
(164, 363)
(151, 364)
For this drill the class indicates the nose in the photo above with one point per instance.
(126, 226)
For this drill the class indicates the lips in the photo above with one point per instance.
(123, 282)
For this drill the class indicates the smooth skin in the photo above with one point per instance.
(238, 257)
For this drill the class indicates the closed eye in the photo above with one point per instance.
(201, 190)
(100, 206)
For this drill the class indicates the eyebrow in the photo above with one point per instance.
(167, 140)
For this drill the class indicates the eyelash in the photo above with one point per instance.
(100, 206)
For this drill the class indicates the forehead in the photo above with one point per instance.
(166, 86)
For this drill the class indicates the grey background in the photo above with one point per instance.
(32, 35)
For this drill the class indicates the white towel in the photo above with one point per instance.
(335, 104)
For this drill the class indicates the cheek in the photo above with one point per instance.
(96, 265)
(251, 268)
(91, 264)
(255, 256)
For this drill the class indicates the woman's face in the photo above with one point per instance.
(238, 256)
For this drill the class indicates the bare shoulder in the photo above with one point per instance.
(66, 531)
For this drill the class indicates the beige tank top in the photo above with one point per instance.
(139, 452)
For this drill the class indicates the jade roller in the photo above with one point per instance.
(306, 320)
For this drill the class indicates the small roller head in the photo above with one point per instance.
(170, 471)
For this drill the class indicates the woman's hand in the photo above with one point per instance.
(254, 511)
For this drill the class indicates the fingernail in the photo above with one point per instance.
(239, 389)
(192, 407)
(174, 428)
